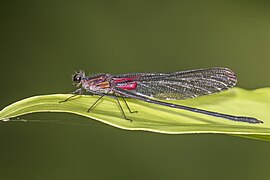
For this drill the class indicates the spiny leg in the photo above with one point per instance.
(128, 106)
(95, 102)
(75, 93)
(122, 109)
(68, 98)
(101, 96)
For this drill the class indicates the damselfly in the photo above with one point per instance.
(151, 86)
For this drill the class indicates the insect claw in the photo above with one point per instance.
(129, 119)
(62, 101)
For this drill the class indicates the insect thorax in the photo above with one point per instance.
(99, 84)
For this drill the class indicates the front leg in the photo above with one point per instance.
(75, 93)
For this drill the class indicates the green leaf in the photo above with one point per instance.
(156, 118)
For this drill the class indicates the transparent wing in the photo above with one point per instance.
(183, 84)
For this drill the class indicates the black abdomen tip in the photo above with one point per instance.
(250, 120)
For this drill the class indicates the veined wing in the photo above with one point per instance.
(183, 84)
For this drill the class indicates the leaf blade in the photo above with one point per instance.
(161, 119)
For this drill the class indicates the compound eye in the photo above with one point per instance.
(78, 79)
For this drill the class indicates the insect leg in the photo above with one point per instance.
(75, 93)
(95, 102)
(79, 91)
(128, 106)
(121, 108)
(101, 96)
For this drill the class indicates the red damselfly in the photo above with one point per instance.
(151, 86)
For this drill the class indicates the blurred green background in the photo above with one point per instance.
(44, 42)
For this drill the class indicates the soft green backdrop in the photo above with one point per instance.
(43, 42)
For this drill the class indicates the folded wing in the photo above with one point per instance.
(183, 84)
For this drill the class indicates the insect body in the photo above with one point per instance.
(150, 87)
